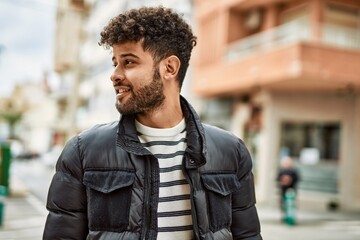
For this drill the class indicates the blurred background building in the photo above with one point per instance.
(284, 75)
(287, 76)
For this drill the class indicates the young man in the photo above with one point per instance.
(158, 173)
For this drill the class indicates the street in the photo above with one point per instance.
(34, 174)
(24, 210)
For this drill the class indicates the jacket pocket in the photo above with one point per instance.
(219, 191)
(109, 198)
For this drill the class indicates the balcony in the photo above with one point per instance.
(286, 58)
(293, 32)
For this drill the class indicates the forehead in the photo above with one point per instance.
(129, 48)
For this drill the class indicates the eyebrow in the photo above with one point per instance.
(126, 55)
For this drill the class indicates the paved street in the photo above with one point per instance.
(25, 213)
(312, 225)
(24, 218)
(34, 175)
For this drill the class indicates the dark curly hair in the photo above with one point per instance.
(164, 33)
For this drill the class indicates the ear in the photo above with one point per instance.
(172, 66)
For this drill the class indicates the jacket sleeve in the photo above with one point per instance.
(66, 201)
(245, 221)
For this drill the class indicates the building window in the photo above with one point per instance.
(217, 112)
(315, 148)
(321, 136)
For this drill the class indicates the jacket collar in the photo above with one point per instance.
(196, 145)
(127, 137)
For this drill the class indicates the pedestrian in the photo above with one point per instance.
(287, 179)
(158, 173)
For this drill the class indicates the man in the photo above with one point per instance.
(287, 179)
(158, 173)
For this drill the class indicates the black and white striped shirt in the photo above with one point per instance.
(174, 210)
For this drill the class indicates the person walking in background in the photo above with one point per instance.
(287, 179)
(158, 173)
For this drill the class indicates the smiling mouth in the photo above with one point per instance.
(121, 91)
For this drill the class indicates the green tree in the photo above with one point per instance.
(11, 118)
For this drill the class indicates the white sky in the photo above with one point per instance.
(27, 29)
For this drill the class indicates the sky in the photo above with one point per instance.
(27, 29)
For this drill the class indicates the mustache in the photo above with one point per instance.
(118, 84)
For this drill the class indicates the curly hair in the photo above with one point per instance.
(162, 31)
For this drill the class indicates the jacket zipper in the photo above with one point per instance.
(147, 198)
(193, 212)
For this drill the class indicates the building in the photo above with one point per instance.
(69, 36)
(286, 74)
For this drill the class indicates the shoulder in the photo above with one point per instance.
(212, 131)
(102, 129)
(98, 133)
(91, 140)
(87, 139)
(217, 136)
(224, 145)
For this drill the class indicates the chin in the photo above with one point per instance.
(123, 110)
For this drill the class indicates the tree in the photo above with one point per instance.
(11, 118)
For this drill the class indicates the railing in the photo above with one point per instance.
(341, 36)
(285, 34)
(295, 31)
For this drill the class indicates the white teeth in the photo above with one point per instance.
(122, 90)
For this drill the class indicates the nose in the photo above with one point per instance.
(117, 75)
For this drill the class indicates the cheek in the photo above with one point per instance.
(139, 78)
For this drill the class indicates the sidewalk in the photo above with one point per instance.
(25, 217)
(312, 224)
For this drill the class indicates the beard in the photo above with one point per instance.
(147, 98)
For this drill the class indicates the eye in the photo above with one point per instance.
(114, 65)
(128, 62)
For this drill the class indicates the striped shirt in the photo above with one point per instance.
(174, 210)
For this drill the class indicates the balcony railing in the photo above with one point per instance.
(295, 31)
(341, 36)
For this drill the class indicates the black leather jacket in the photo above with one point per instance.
(106, 185)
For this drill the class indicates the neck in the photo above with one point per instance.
(166, 116)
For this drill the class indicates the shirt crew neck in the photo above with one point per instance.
(160, 132)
